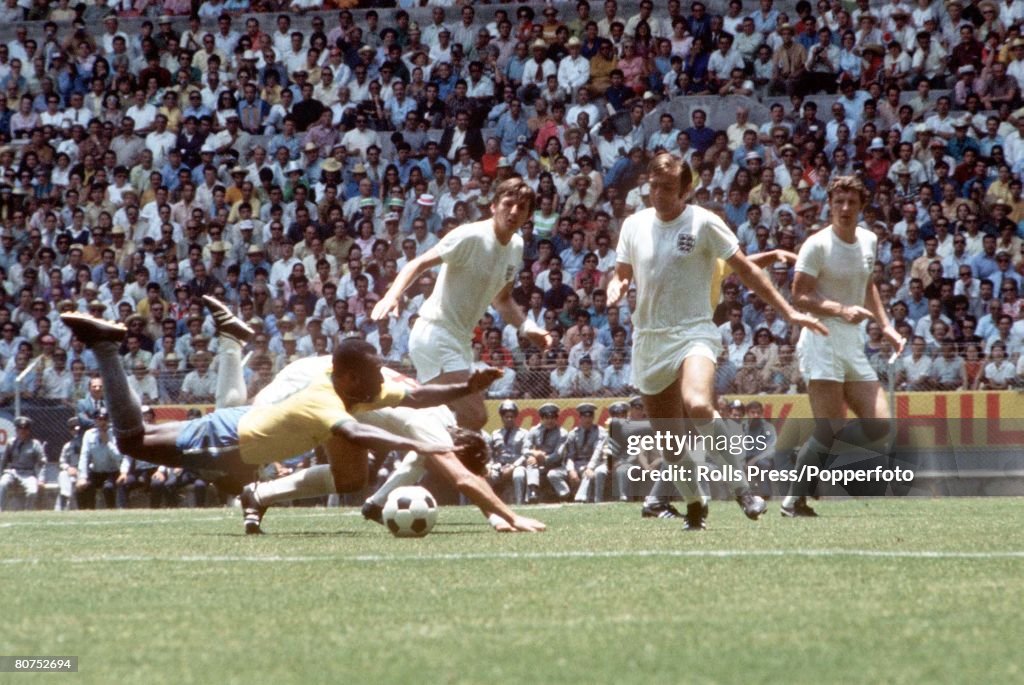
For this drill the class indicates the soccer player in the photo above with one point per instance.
(669, 251)
(462, 468)
(658, 503)
(231, 442)
(431, 425)
(833, 281)
(479, 262)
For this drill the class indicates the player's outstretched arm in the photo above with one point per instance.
(511, 313)
(408, 274)
(755, 279)
(763, 260)
(432, 395)
(373, 438)
(480, 493)
(807, 298)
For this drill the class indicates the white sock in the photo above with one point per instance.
(231, 390)
(316, 481)
(718, 427)
(688, 485)
(810, 453)
(407, 472)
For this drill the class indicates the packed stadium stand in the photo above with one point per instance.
(290, 157)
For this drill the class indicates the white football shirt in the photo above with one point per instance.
(475, 268)
(674, 265)
(842, 268)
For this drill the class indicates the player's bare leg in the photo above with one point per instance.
(829, 399)
(691, 403)
(470, 411)
(345, 472)
(828, 405)
(690, 398)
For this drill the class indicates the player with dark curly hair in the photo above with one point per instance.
(232, 441)
(464, 467)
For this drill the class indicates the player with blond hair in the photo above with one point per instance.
(670, 253)
(479, 262)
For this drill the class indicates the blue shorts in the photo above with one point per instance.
(213, 433)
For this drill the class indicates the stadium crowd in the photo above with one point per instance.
(291, 172)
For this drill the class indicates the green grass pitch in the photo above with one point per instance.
(872, 591)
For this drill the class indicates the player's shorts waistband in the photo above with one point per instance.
(216, 430)
(444, 325)
(683, 328)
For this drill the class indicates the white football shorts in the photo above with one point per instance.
(839, 357)
(435, 350)
(658, 355)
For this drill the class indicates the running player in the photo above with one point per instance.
(670, 252)
(658, 503)
(833, 281)
(231, 442)
(479, 262)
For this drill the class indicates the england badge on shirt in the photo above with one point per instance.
(684, 243)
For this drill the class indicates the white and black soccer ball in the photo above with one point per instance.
(410, 512)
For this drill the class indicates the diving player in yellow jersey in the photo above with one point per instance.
(433, 425)
(231, 442)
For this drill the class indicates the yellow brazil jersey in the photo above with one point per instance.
(304, 419)
(721, 272)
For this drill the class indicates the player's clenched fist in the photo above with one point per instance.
(481, 380)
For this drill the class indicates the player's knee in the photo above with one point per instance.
(698, 404)
(877, 430)
(348, 479)
(132, 444)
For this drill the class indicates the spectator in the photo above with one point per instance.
(916, 372)
(748, 377)
(999, 372)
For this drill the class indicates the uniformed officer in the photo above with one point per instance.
(543, 451)
(598, 466)
(507, 457)
(579, 449)
(68, 474)
(22, 463)
(99, 466)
